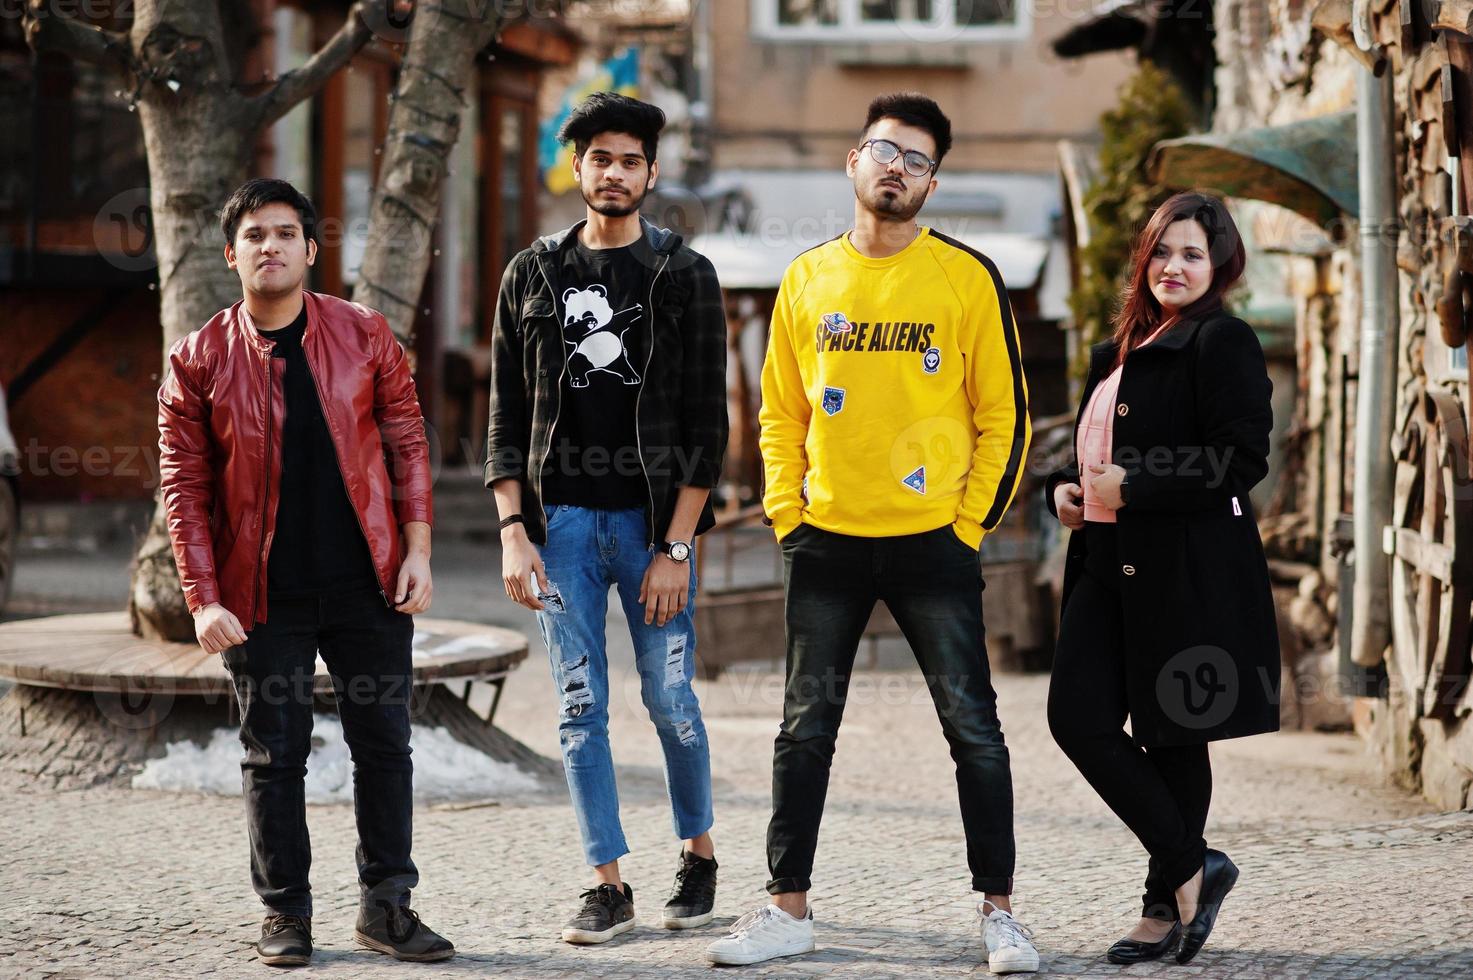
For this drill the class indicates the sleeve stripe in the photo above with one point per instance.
(1012, 472)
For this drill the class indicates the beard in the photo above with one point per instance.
(618, 208)
(893, 206)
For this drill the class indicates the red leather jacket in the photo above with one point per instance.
(220, 421)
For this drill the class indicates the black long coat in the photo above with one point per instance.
(1191, 429)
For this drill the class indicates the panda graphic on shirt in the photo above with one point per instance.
(594, 334)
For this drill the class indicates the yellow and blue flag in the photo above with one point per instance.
(619, 74)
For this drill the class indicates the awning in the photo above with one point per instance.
(1308, 167)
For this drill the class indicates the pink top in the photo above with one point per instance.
(1096, 434)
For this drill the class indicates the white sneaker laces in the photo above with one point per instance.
(1011, 932)
(749, 923)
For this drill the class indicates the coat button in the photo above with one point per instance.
(1122, 409)
(1128, 569)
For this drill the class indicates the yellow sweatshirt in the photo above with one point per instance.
(893, 399)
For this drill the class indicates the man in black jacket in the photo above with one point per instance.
(607, 430)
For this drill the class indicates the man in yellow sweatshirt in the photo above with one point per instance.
(894, 429)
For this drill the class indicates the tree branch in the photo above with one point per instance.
(47, 30)
(304, 82)
(240, 31)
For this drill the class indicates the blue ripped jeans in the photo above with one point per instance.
(588, 551)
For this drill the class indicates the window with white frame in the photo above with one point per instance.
(888, 20)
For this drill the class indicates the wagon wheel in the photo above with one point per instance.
(1432, 544)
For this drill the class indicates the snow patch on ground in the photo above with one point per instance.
(426, 645)
(444, 768)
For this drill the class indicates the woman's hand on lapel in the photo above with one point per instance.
(1105, 484)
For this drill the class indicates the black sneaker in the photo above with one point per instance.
(395, 930)
(606, 913)
(694, 896)
(286, 940)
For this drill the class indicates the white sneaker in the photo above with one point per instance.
(763, 934)
(1009, 946)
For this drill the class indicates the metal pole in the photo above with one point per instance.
(1376, 389)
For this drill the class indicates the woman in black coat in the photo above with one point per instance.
(1167, 614)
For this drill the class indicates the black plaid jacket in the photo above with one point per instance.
(682, 423)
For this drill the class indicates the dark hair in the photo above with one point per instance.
(610, 112)
(913, 109)
(1140, 311)
(258, 192)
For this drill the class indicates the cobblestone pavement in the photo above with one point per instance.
(1341, 876)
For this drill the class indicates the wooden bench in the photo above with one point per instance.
(93, 702)
(98, 652)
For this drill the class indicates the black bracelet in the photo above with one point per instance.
(509, 521)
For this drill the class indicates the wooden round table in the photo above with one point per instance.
(98, 652)
(93, 702)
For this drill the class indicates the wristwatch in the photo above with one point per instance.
(677, 551)
(1125, 491)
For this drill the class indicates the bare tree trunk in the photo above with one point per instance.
(424, 124)
(195, 150)
(198, 132)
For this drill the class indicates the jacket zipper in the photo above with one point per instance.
(337, 455)
(649, 355)
(562, 372)
(265, 496)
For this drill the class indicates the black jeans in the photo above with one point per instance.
(366, 647)
(932, 584)
(1161, 793)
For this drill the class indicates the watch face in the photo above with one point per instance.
(680, 551)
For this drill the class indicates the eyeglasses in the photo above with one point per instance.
(917, 164)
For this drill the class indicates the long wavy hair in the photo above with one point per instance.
(1140, 312)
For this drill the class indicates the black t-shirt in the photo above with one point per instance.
(318, 547)
(594, 459)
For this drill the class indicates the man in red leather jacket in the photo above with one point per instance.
(296, 482)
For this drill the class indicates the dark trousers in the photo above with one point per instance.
(932, 584)
(1160, 793)
(366, 647)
